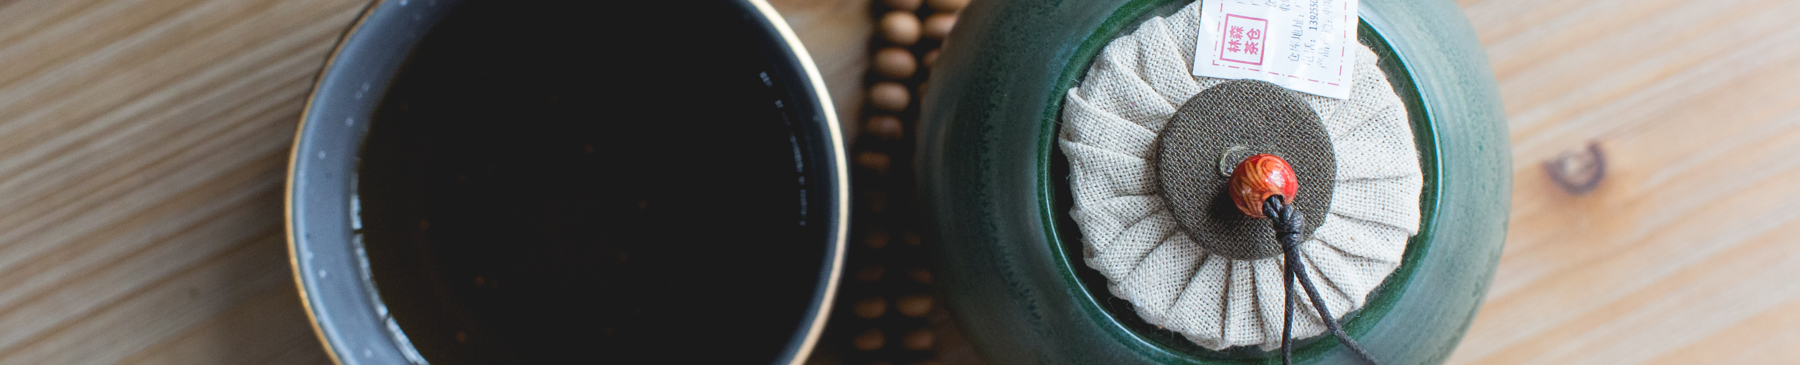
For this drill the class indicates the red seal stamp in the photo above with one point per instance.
(1243, 39)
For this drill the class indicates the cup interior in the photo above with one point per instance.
(564, 181)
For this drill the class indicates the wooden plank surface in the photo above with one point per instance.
(1689, 249)
(143, 144)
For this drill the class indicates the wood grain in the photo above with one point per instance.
(143, 144)
(1687, 251)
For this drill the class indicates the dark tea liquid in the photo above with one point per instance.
(581, 182)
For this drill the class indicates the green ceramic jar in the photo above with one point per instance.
(996, 200)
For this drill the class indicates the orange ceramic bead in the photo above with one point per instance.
(1259, 177)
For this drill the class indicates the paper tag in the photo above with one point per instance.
(1298, 44)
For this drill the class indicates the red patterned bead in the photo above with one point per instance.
(1259, 177)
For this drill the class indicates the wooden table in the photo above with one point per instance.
(143, 145)
(1689, 249)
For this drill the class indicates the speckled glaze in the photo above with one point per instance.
(996, 200)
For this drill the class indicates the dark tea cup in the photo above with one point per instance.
(568, 182)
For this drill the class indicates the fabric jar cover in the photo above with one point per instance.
(1111, 124)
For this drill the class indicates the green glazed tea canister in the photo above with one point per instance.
(1403, 166)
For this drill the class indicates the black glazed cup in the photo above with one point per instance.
(567, 182)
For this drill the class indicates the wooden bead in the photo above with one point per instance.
(937, 26)
(871, 308)
(1259, 177)
(878, 239)
(900, 27)
(917, 305)
(930, 58)
(947, 5)
(870, 340)
(920, 275)
(874, 161)
(919, 340)
(907, 5)
(885, 127)
(890, 96)
(895, 63)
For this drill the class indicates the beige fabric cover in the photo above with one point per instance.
(1110, 124)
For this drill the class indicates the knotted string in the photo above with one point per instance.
(1288, 222)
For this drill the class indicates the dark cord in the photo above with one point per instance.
(1287, 222)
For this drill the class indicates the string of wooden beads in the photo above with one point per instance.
(886, 312)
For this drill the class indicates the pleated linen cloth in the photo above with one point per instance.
(1111, 121)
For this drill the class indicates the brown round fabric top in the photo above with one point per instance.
(1222, 125)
